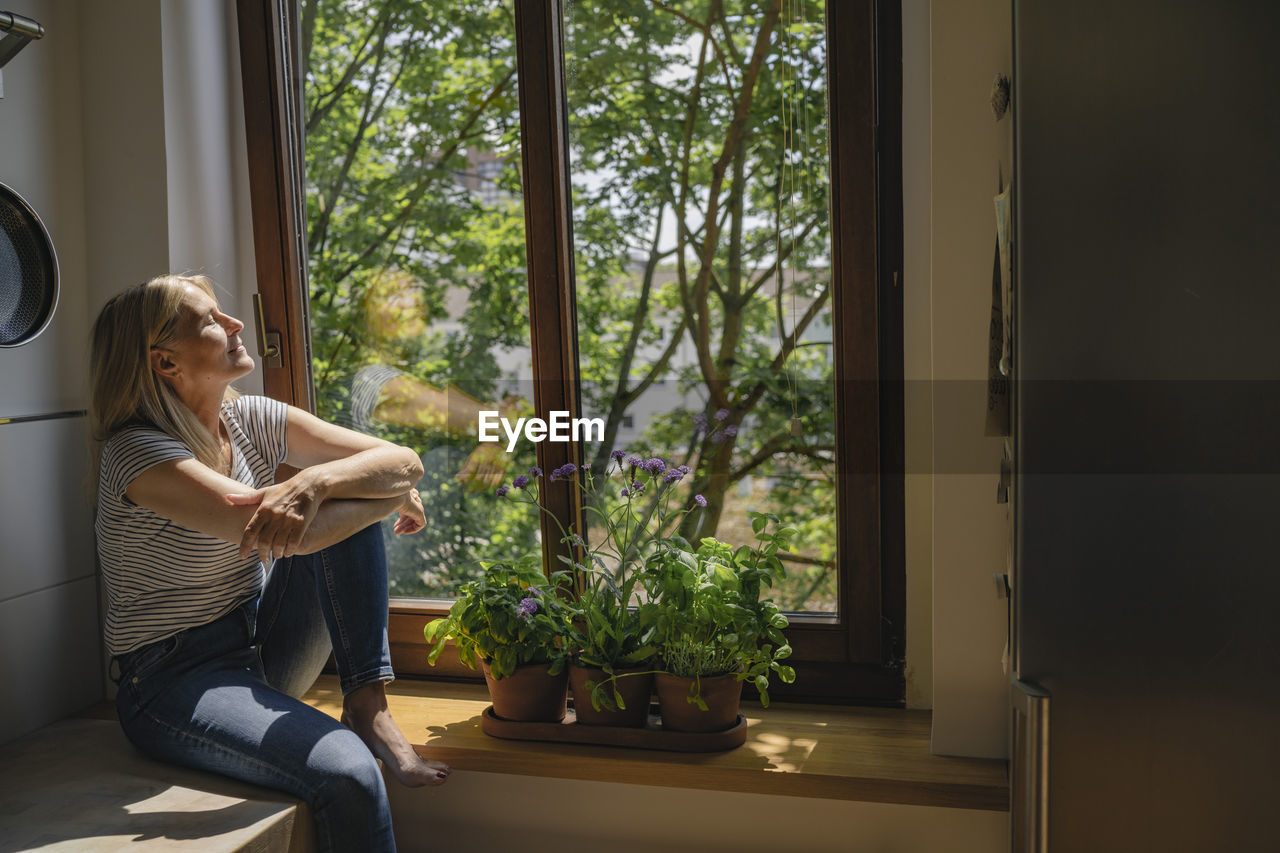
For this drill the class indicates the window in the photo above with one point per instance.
(415, 239)
(686, 109)
(609, 134)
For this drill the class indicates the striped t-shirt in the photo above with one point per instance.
(161, 577)
(366, 391)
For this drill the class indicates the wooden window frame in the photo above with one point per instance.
(855, 657)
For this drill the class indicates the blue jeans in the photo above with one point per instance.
(224, 696)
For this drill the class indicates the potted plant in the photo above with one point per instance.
(610, 675)
(713, 628)
(647, 604)
(514, 622)
(612, 667)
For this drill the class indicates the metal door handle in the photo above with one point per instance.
(1031, 797)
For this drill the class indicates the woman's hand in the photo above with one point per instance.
(485, 467)
(284, 513)
(412, 515)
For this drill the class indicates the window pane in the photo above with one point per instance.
(698, 134)
(415, 232)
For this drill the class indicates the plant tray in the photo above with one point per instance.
(651, 736)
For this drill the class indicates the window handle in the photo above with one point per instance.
(268, 342)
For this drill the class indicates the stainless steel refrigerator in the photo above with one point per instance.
(1146, 389)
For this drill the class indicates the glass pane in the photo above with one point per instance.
(415, 233)
(698, 134)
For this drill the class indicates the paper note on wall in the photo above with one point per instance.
(1003, 238)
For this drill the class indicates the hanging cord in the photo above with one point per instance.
(789, 88)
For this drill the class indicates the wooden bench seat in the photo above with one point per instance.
(79, 785)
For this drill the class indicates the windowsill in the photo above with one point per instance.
(821, 751)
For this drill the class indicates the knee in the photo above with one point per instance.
(350, 809)
(350, 778)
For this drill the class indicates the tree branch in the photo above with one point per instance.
(716, 374)
(307, 33)
(705, 29)
(659, 366)
(785, 253)
(369, 115)
(335, 94)
(782, 442)
(420, 188)
(807, 561)
(701, 335)
(788, 345)
(766, 452)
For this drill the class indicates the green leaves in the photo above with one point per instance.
(708, 617)
(509, 616)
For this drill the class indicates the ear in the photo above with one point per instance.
(162, 364)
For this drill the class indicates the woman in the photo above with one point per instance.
(226, 590)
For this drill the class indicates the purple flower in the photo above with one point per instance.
(618, 456)
(626, 493)
(634, 461)
(526, 608)
(533, 590)
(637, 488)
(731, 430)
(520, 482)
(655, 466)
(700, 501)
(564, 472)
(685, 469)
(675, 475)
(700, 420)
(535, 471)
(721, 414)
(502, 491)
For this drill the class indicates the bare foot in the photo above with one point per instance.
(365, 712)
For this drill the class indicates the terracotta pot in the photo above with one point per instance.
(722, 693)
(635, 690)
(529, 695)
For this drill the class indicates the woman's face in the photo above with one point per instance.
(207, 346)
(399, 316)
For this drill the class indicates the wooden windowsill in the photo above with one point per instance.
(868, 754)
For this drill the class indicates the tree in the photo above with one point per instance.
(710, 118)
(698, 151)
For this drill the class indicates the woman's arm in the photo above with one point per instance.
(405, 401)
(193, 495)
(335, 464)
(343, 463)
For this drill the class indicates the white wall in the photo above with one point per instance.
(210, 222)
(969, 44)
(130, 145)
(48, 595)
(484, 812)
(917, 339)
(167, 178)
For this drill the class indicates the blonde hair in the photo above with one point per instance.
(385, 322)
(125, 391)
